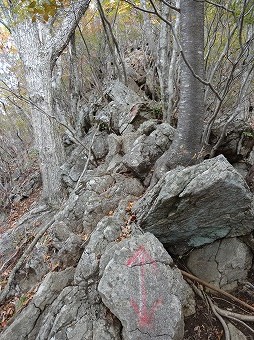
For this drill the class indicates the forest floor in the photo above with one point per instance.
(17, 210)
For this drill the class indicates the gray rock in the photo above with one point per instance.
(223, 263)
(100, 146)
(146, 149)
(71, 251)
(242, 168)
(23, 189)
(67, 246)
(144, 290)
(237, 142)
(126, 111)
(34, 269)
(74, 166)
(197, 205)
(77, 313)
(26, 322)
(27, 225)
(103, 196)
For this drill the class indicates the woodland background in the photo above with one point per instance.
(70, 58)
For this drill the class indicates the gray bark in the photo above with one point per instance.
(167, 63)
(39, 46)
(191, 105)
(186, 147)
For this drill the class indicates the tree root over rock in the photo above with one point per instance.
(221, 313)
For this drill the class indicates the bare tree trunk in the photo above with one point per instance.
(187, 144)
(163, 60)
(167, 63)
(149, 37)
(39, 85)
(40, 44)
(186, 147)
(173, 69)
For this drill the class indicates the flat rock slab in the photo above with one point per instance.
(197, 205)
(143, 289)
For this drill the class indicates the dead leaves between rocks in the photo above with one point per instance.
(127, 229)
(14, 306)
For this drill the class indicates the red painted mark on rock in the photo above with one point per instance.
(145, 314)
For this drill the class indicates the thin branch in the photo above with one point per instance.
(5, 25)
(219, 141)
(104, 22)
(220, 6)
(96, 80)
(171, 6)
(87, 161)
(155, 12)
(21, 97)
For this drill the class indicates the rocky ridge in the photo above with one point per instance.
(100, 270)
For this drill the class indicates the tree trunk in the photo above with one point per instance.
(167, 61)
(40, 44)
(186, 147)
(46, 131)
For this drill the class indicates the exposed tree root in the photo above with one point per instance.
(220, 291)
(221, 313)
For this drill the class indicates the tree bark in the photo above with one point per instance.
(186, 147)
(40, 45)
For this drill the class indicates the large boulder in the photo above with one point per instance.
(197, 205)
(141, 286)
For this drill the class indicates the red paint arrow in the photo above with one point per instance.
(145, 314)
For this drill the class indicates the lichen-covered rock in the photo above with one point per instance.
(197, 205)
(141, 286)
